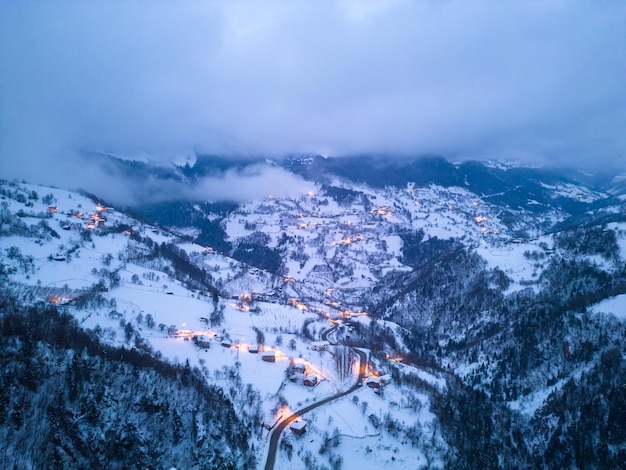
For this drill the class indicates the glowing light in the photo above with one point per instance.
(296, 304)
(397, 360)
(382, 210)
(241, 307)
(282, 412)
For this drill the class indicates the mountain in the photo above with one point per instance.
(489, 296)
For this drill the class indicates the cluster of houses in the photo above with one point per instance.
(204, 341)
(296, 370)
(91, 221)
(299, 370)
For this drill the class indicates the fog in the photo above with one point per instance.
(540, 82)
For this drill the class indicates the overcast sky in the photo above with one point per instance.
(526, 80)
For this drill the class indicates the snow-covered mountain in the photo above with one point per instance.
(490, 297)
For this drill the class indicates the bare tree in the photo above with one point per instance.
(344, 358)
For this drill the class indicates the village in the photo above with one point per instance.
(288, 335)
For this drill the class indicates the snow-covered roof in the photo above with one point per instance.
(298, 425)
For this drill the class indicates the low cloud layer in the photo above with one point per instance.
(535, 81)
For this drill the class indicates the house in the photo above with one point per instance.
(254, 349)
(299, 367)
(268, 356)
(298, 427)
(378, 382)
(52, 209)
(385, 379)
(226, 343)
(202, 341)
(311, 380)
(320, 345)
(373, 382)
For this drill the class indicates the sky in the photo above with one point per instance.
(530, 81)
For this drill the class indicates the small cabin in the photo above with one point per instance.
(268, 356)
(311, 380)
(202, 341)
(227, 343)
(254, 349)
(298, 427)
(320, 345)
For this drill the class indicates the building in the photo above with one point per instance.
(202, 341)
(254, 349)
(298, 427)
(311, 380)
(320, 345)
(373, 382)
(378, 382)
(268, 356)
(385, 379)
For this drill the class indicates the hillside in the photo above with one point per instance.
(491, 296)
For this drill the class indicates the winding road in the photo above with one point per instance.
(271, 455)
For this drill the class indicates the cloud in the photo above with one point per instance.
(532, 80)
(254, 182)
(117, 186)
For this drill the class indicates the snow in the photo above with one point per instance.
(363, 446)
(362, 245)
(614, 305)
(572, 191)
(510, 258)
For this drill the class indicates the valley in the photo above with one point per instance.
(426, 323)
